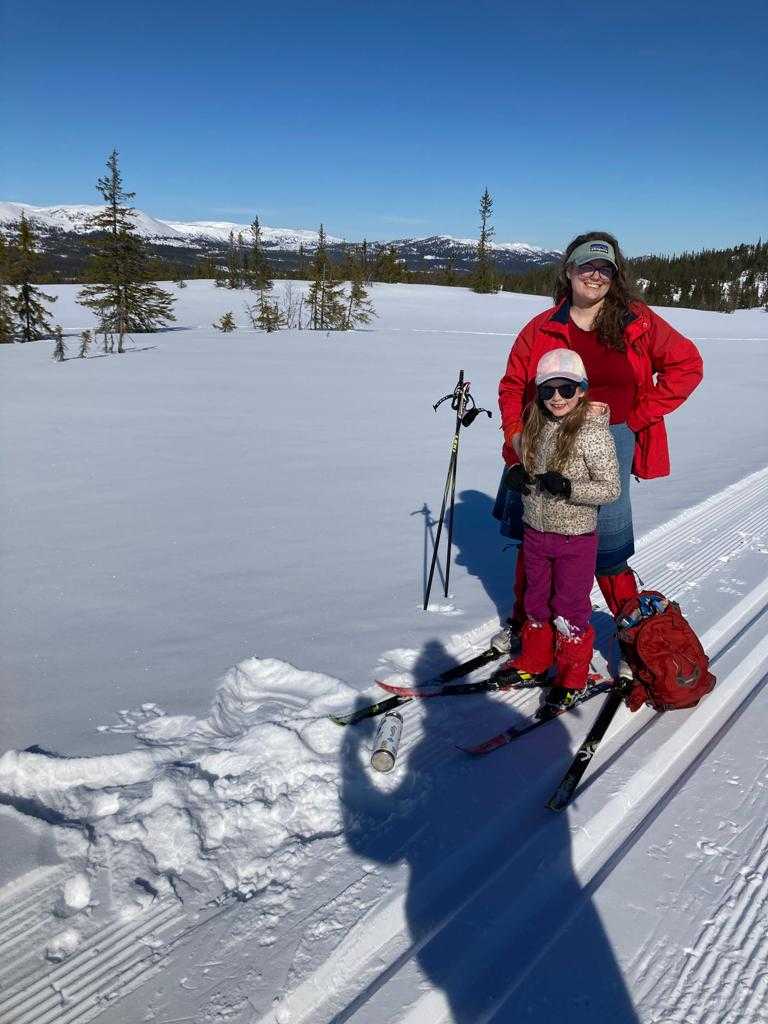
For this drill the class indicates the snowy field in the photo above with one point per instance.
(212, 541)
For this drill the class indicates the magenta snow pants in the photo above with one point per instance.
(559, 573)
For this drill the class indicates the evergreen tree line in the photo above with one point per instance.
(722, 280)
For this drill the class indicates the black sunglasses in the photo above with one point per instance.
(547, 391)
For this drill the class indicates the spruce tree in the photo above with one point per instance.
(484, 275)
(259, 274)
(59, 349)
(7, 326)
(31, 318)
(326, 304)
(234, 264)
(124, 299)
(85, 340)
(359, 306)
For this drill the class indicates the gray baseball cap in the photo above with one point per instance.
(597, 249)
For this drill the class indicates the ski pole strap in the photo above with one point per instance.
(471, 415)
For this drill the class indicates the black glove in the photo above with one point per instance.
(516, 479)
(555, 483)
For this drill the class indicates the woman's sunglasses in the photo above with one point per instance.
(547, 391)
(588, 269)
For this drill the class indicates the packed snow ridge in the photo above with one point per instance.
(225, 804)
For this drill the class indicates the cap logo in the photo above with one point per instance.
(599, 247)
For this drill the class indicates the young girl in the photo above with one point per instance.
(568, 469)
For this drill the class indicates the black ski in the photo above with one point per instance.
(593, 689)
(455, 672)
(565, 791)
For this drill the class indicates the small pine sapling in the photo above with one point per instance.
(85, 340)
(270, 318)
(226, 324)
(59, 349)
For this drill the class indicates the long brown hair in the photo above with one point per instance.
(536, 418)
(610, 321)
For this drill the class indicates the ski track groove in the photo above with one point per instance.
(717, 530)
(731, 935)
(95, 975)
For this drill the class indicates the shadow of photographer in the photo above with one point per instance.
(471, 833)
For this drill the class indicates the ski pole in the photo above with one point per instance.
(466, 410)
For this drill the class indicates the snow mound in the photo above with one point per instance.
(229, 803)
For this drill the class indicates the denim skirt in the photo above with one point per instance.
(615, 535)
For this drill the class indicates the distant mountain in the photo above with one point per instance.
(62, 230)
(439, 250)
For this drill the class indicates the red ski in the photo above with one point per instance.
(522, 681)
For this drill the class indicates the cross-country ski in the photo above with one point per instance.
(593, 689)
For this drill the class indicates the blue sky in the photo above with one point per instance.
(388, 119)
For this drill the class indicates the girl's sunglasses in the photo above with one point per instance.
(547, 391)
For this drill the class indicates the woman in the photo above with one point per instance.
(637, 364)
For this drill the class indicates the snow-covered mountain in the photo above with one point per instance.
(62, 227)
(76, 219)
(446, 247)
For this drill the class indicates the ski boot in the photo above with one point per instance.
(573, 653)
(535, 657)
(507, 640)
(557, 699)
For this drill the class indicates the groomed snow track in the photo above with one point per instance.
(352, 984)
(378, 952)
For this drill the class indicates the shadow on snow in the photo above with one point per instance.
(490, 881)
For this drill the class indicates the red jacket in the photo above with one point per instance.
(653, 347)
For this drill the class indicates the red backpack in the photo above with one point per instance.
(667, 660)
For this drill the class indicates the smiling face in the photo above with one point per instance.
(557, 405)
(588, 285)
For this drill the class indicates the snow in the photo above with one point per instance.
(212, 542)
